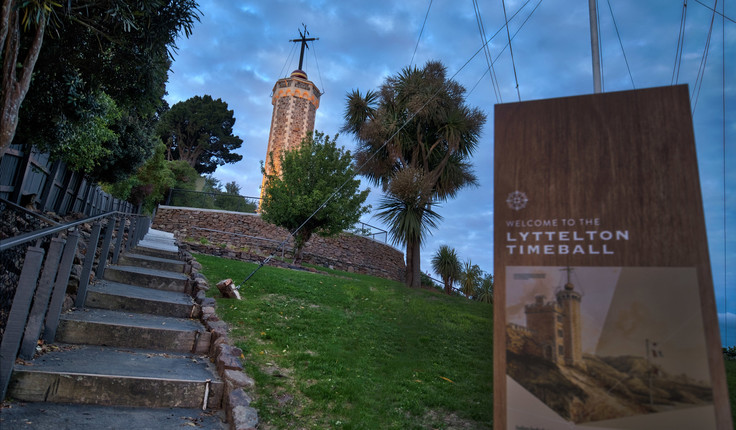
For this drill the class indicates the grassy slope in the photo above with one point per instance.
(351, 351)
(731, 380)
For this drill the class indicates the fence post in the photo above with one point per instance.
(89, 259)
(82, 196)
(68, 176)
(50, 182)
(105, 250)
(20, 176)
(41, 300)
(88, 196)
(62, 280)
(118, 240)
(140, 230)
(18, 315)
(131, 234)
(146, 226)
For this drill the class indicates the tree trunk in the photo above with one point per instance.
(14, 87)
(408, 275)
(448, 286)
(413, 277)
(300, 239)
(416, 280)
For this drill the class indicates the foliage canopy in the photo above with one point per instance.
(316, 192)
(200, 132)
(104, 66)
(415, 138)
(447, 265)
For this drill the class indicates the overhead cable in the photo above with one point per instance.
(420, 33)
(486, 51)
(511, 51)
(680, 45)
(513, 36)
(517, 30)
(288, 60)
(703, 61)
(722, 14)
(319, 72)
(621, 44)
(723, 130)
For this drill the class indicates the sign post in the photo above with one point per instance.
(605, 314)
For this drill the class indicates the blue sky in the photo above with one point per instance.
(240, 48)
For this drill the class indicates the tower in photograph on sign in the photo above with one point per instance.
(555, 327)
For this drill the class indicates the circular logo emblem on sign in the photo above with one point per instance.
(517, 200)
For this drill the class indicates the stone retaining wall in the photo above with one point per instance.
(247, 234)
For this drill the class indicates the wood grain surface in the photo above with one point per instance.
(619, 163)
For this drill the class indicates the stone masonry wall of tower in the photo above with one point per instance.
(295, 102)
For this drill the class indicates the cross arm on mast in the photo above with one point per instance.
(303, 40)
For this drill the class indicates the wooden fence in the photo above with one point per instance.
(32, 179)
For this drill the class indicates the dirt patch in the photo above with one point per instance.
(276, 371)
(450, 421)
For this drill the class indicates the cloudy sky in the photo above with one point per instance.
(240, 48)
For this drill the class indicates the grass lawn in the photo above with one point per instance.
(731, 380)
(349, 351)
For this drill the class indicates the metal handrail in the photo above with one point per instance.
(28, 211)
(373, 235)
(38, 234)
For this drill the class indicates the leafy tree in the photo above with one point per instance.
(231, 200)
(148, 187)
(484, 292)
(447, 265)
(187, 179)
(470, 278)
(316, 192)
(199, 131)
(417, 130)
(232, 188)
(93, 50)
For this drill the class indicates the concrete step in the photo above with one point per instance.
(62, 416)
(149, 278)
(156, 247)
(140, 260)
(113, 376)
(132, 330)
(123, 297)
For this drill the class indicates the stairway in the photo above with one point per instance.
(133, 357)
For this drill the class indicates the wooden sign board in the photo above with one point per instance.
(605, 315)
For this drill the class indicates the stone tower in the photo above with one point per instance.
(569, 301)
(295, 102)
(546, 321)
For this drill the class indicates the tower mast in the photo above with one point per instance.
(593, 45)
(303, 40)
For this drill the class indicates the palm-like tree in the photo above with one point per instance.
(447, 265)
(485, 290)
(416, 126)
(470, 278)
